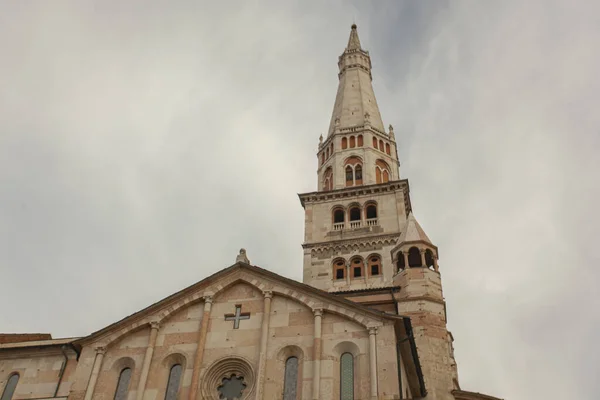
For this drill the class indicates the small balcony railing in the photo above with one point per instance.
(355, 224)
(371, 221)
(338, 226)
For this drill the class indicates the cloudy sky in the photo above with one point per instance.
(143, 143)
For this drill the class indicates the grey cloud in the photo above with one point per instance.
(142, 145)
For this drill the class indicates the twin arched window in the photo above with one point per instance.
(10, 387)
(354, 175)
(353, 171)
(347, 377)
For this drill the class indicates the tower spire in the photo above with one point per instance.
(353, 41)
(355, 104)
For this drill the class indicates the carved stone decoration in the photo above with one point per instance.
(242, 257)
(224, 371)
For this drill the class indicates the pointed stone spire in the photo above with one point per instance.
(413, 232)
(353, 41)
(355, 103)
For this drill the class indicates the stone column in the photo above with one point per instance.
(423, 263)
(200, 349)
(147, 360)
(89, 392)
(262, 358)
(317, 354)
(435, 264)
(373, 361)
(348, 271)
(405, 255)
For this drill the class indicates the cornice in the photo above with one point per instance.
(353, 242)
(420, 298)
(353, 191)
(464, 395)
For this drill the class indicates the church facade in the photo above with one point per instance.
(367, 322)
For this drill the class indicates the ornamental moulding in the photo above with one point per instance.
(350, 244)
(315, 197)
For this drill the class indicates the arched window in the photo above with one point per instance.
(352, 142)
(349, 176)
(331, 148)
(347, 377)
(290, 381)
(374, 265)
(386, 176)
(429, 258)
(401, 263)
(359, 141)
(381, 145)
(328, 179)
(387, 148)
(414, 257)
(322, 158)
(357, 265)
(371, 211)
(374, 142)
(339, 269)
(327, 156)
(10, 387)
(358, 175)
(338, 216)
(355, 214)
(382, 173)
(344, 143)
(123, 384)
(173, 384)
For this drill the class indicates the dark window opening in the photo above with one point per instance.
(414, 257)
(355, 214)
(374, 269)
(371, 212)
(338, 216)
(357, 272)
(339, 273)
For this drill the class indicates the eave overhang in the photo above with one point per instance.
(364, 190)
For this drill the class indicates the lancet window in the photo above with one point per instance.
(10, 387)
(382, 172)
(123, 384)
(347, 377)
(290, 381)
(173, 383)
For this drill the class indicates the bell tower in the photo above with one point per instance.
(356, 216)
(361, 239)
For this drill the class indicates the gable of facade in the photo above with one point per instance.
(191, 330)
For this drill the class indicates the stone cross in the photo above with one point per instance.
(237, 317)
